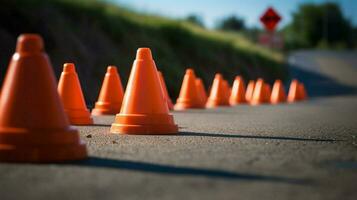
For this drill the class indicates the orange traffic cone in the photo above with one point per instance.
(267, 92)
(201, 92)
(217, 95)
(250, 91)
(111, 94)
(144, 109)
(303, 93)
(227, 91)
(189, 96)
(33, 124)
(71, 94)
(260, 93)
(238, 92)
(278, 93)
(165, 92)
(294, 91)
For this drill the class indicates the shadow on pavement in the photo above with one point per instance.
(256, 137)
(182, 171)
(341, 164)
(318, 85)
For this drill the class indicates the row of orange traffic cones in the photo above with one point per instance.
(35, 117)
(193, 95)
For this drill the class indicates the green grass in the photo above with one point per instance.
(94, 34)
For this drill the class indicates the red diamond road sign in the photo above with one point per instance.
(270, 19)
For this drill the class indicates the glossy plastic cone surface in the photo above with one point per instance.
(250, 90)
(227, 91)
(189, 96)
(111, 94)
(278, 94)
(218, 95)
(267, 92)
(71, 94)
(33, 124)
(201, 92)
(165, 91)
(144, 109)
(238, 92)
(294, 91)
(260, 93)
(302, 91)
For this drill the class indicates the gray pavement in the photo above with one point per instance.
(306, 150)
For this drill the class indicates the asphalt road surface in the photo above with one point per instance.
(306, 150)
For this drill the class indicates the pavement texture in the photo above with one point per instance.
(306, 150)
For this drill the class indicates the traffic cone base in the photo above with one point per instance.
(106, 108)
(144, 109)
(187, 104)
(183, 105)
(235, 102)
(20, 145)
(142, 124)
(33, 123)
(216, 102)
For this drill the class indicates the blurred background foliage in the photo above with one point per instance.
(320, 26)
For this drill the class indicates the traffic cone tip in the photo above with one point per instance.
(69, 67)
(29, 43)
(144, 54)
(190, 71)
(112, 69)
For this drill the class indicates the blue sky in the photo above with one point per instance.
(212, 10)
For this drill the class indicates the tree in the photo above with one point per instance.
(195, 19)
(232, 22)
(315, 24)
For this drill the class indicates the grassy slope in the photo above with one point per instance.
(95, 34)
